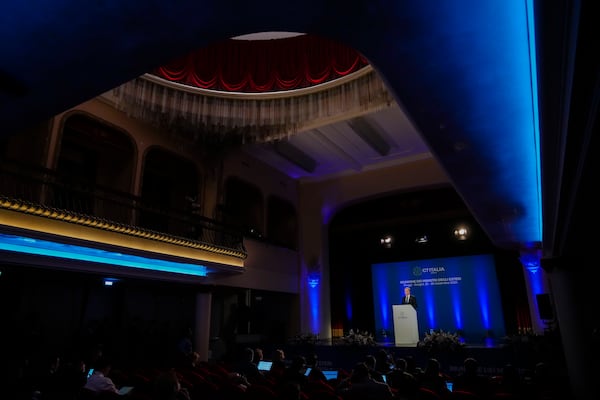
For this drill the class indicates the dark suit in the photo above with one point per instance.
(412, 301)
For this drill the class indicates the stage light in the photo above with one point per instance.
(461, 232)
(386, 241)
(422, 239)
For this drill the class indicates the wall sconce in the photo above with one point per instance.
(314, 279)
(530, 259)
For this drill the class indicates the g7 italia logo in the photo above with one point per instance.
(417, 271)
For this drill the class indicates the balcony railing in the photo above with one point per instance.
(46, 188)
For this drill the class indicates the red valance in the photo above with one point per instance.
(264, 65)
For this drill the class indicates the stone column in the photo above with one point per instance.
(202, 325)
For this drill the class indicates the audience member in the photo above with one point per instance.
(73, 378)
(360, 386)
(51, 380)
(184, 347)
(412, 367)
(295, 372)
(195, 361)
(545, 384)
(238, 380)
(509, 382)
(278, 366)
(312, 360)
(403, 382)
(258, 355)
(371, 363)
(471, 381)
(278, 356)
(99, 381)
(432, 378)
(316, 375)
(246, 366)
(383, 364)
(168, 387)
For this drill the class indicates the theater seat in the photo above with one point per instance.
(427, 394)
(463, 395)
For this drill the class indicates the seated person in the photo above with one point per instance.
(360, 386)
(168, 387)
(100, 383)
(99, 380)
(472, 381)
(246, 366)
(296, 371)
(405, 384)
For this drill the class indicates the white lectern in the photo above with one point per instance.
(406, 327)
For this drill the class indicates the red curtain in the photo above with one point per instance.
(264, 65)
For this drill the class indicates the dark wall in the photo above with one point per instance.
(136, 321)
(55, 312)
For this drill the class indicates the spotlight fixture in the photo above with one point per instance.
(422, 239)
(461, 232)
(386, 241)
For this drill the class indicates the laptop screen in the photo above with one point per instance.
(330, 374)
(125, 390)
(264, 365)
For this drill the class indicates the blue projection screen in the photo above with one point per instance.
(457, 294)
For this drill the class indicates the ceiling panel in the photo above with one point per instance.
(338, 149)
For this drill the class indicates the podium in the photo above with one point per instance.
(406, 326)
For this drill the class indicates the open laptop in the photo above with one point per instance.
(125, 390)
(330, 374)
(264, 365)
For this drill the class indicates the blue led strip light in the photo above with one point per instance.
(27, 245)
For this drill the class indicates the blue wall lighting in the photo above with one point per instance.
(313, 280)
(47, 248)
(314, 299)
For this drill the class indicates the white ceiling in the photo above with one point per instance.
(339, 148)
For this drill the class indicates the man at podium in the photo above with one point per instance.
(406, 326)
(409, 298)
